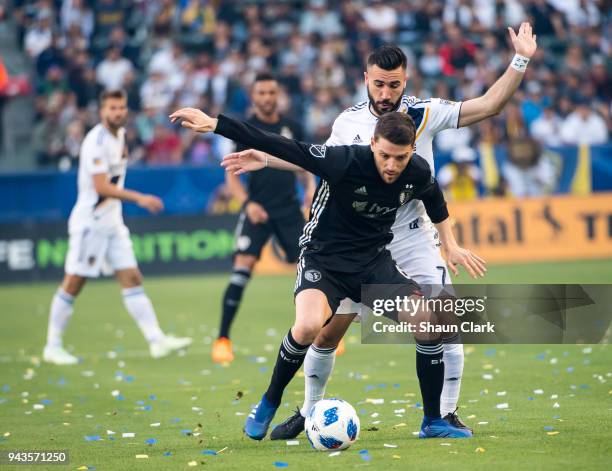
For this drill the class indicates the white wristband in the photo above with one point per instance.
(519, 63)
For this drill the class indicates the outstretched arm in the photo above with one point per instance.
(330, 163)
(496, 97)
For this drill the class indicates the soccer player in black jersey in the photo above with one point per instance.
(343, 244)
(270, 207)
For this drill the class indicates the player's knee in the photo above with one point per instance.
(305, 332)
(244, 262)
(73, 284)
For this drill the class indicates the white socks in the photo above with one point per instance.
(141, 309)
(318, 365)
(453, 369)
(61, 310)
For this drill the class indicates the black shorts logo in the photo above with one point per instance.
(312, 275)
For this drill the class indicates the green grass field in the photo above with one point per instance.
(188, 405)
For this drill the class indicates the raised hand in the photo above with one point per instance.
(249, 160)
(525, 41)
(194, 119)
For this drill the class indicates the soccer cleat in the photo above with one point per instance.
(439, 428)
(222, 350)
(453, 419)
(59, 356)
(168, 344)
(341, 348)
(290, 428)
(258, 421)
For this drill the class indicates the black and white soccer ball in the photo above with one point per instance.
(332, 424)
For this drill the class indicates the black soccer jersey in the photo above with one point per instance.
(354, 209)
(274, 189)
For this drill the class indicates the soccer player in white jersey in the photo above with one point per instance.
(415, 246)
(98, 238)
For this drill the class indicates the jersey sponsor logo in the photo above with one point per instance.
(357, 139)
(362, 190)
(414, 224)
(312, 275)
(318, 151)
(372, 210)
(446, 102)
(406, 194)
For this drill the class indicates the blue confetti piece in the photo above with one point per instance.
(418, 405)
(541, 356)
(209, 452)
(46, 401)
(530, 398)
(92, 438)
(91, 468)
(396, 385)
(120, 397)
(61, 382)
(111, 438)
(6, 388)
(363, 452)
(167, 453)
(369, 387)
(362, 411)
(548, 428)
(185, 431)
(176, 420)
(556, 417)
(382, 385)
(281, 464)
(153, 397)
(490, 352)
(264, 369)
(584, 386)
(570, 369)
(128, 378)
(140, 403)
(151, 441)
(566, 354)
(366, 457)
(147, 408)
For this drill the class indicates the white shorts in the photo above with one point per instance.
(418, 255)
(93, 253)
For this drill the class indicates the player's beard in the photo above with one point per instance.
(116, 124)
(375, 107)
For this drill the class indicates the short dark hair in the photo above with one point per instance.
(397, 128)
(388, 57)
(264, 77)
(117, 94)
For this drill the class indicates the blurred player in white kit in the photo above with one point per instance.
(99, 241)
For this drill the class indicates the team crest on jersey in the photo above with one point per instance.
(406, 194)
(403, 108)
(318, 151)
(312, 275)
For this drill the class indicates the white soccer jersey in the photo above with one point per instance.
(101, 152)
(356, 126)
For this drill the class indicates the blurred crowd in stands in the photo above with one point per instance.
(204, 53)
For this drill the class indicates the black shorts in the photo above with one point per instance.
(339, 285)
(250, 238)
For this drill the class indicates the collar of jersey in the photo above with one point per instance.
(397, 108)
